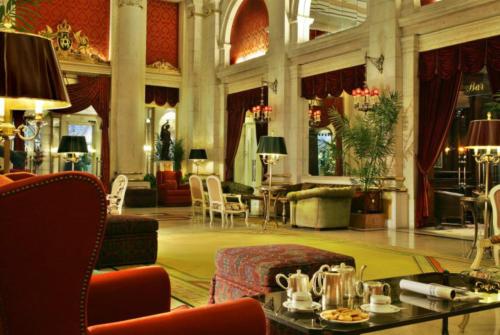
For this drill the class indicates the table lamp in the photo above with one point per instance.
(271, 149)
(197, 156)
(30, 80)
(483, 137)
(72, 146)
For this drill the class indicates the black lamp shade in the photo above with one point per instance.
(72, 144)
(271, 145)
(198, 154)
(30, 71)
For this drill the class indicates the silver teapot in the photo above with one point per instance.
(348, 278)
(295, 282)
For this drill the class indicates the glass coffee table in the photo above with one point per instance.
(415, 308)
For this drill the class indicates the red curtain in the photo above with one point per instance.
(162, 95)
(440, 74)
(333, 83)
(237, 105)
(95, 92)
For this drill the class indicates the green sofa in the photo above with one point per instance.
(321, 207)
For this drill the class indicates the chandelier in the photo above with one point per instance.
(262, 113)
(365, 99)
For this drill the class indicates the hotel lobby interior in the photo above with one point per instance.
(254, 167)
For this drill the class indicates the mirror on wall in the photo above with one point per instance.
(332, 16)
(42, 153)
(325, 144)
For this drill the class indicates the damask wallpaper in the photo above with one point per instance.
(249, 33)
(163, 36)
(90, 16)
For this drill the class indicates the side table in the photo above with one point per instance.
(268, 194)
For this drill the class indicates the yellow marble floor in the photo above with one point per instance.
(449, 252)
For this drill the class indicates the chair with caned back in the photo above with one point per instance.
(197, 195)
(218, 202)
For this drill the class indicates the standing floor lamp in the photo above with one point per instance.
(72, 146)
(197, 156)
(271, 149)
(30, 79)
(483, 137)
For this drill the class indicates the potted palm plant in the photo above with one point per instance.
(368, 139)
(20, 13)
(177, 154)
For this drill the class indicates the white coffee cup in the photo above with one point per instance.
(379, 302)
(301, 300)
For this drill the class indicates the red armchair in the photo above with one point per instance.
(170, 190)
(51, 230)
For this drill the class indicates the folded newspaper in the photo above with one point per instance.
(437, 291)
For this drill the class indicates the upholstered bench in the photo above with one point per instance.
(140, 197)
(249, 271)
(129, 239)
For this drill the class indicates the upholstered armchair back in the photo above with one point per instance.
(51, 229)
(321, 207)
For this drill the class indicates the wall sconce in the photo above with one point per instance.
(272, 85)
(377, 62)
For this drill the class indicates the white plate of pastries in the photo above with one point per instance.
(344, 315)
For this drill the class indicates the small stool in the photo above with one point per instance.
(249, 271)
(129, 239)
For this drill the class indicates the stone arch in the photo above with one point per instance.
(229, 12)
(300, 20)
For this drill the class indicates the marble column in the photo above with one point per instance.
(128, 85)
(278, 70)
(191, 59)
(410, 117)
(385, 40)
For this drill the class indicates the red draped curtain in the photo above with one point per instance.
(237, 105)
(162, 95)
(333, 82)
(95, 92)
(440, 74)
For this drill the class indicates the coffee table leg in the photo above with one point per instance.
(444, 327)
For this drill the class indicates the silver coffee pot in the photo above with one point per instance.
(348, 277)
(328, 284)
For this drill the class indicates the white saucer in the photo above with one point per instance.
(314, 306)
(383, 309)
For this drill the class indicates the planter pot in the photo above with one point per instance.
(367, 202)
(359, 221)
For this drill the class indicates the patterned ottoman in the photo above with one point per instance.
(249, 271)
(129, 239)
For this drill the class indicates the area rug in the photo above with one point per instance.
(189, 258)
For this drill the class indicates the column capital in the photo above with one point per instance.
(131, 3)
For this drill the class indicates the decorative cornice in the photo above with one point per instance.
(163, 66)
(131, 3)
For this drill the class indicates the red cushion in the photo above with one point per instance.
(5, 180)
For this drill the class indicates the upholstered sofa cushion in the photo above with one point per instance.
(236, 188)
(322, 192)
